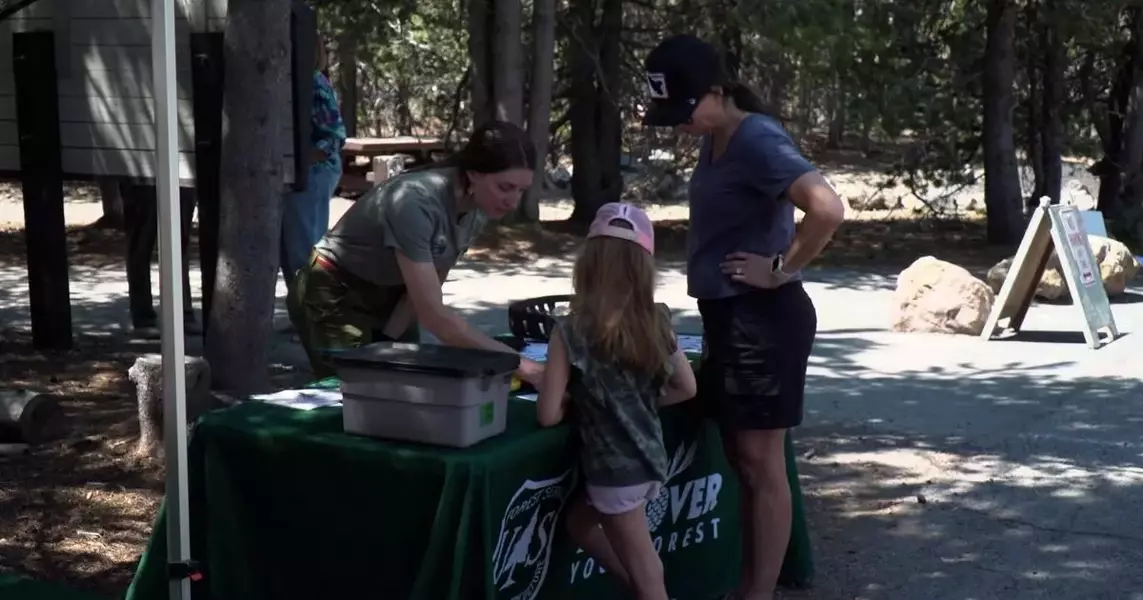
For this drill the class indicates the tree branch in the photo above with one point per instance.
(457, 98)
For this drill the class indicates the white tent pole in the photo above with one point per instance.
(171, 283)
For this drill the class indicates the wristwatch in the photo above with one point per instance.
(776, 269)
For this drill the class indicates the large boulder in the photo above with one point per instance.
(1116, 267)
(1116, 264)
(1051, 287)
(935, 296)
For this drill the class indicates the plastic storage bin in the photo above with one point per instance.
(425, 393)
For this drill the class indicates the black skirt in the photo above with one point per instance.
(757, 351)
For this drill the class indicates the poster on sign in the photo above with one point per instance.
(1078, 247)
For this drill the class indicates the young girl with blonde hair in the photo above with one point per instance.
(620, 355)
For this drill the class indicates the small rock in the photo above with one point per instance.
(921, 499)
(1078, 194)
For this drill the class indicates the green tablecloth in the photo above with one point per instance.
(284, 505)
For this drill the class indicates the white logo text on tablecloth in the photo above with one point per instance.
(524, 546)
(678, 517)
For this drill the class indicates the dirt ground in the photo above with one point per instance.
(79, 510)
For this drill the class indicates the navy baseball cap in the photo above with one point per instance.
(680, 71)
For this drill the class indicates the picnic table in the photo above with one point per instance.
(358, 173)
(285, 505)
(418, 147)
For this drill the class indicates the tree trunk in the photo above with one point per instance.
(680, 20)
(807, 90)
(586, 182)
(1001, 175)
(257, 78)
(837, 113)
(1131, 158)
(508, 70)
(1035, 141)
(1034, 103)
(843, 63)
(347, 79)
(479, 15)
(778, 96)
(147, 375)
(610, 131)
(1108, 119)
(112, 199)
(1051, 114)
(403, 112)
(731, 36)
(540, 99)
(866, 133)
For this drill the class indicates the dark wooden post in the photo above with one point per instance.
(206, 80)
(41, 173)
(304, 43)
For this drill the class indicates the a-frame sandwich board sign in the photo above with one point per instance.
(1057, 226)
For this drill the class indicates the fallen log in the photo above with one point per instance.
(29, 417)
(13, 449)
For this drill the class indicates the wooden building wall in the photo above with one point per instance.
(103, 50)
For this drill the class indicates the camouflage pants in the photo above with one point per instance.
(335, 310)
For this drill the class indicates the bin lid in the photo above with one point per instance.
(427, 358)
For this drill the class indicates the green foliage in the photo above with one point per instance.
(410, 58)
(899, 77)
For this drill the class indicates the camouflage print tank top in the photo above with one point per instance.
(616, 416)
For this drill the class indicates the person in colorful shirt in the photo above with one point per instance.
(305, 213)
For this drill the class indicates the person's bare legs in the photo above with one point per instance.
(583, 523)
(762, 466)
(745, 514)
(631, 539)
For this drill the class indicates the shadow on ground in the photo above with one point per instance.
(887, 245)
(77, 509)
(1004, 483)
(1029, 478)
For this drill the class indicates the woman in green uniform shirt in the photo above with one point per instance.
(378, 273)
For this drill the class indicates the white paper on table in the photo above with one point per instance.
(690, 344)
(302, 399)
(537, 351)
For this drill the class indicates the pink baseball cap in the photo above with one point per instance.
(642, 231)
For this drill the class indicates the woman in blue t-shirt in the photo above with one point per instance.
(745, 254)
